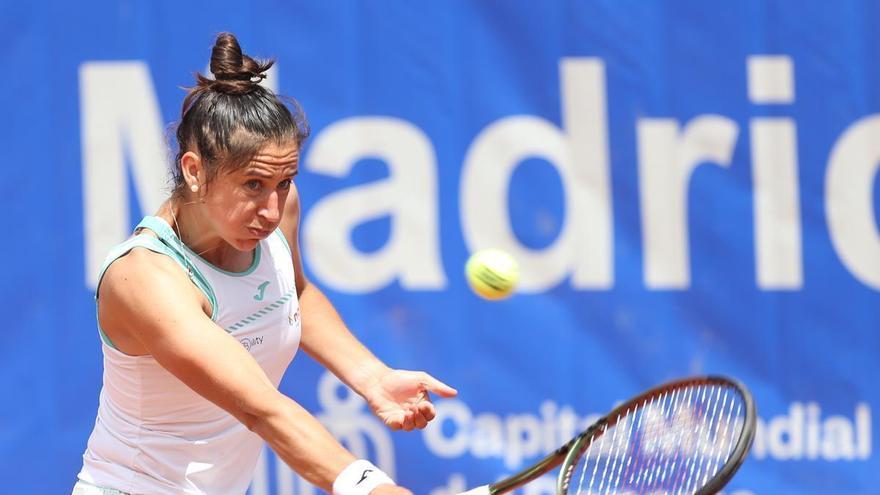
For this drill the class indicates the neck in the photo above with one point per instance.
(195, 231)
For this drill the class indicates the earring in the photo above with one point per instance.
(194, 188)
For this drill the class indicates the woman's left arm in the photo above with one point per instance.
(398, 397)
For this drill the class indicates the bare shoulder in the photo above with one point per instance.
(141, 269)
(142, 294)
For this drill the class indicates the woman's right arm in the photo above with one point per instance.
(147, 298)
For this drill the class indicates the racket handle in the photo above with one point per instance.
(480, 490)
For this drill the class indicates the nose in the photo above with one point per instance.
(271, 210)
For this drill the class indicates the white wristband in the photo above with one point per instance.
(359, 478)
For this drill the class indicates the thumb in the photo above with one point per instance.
(434, 385)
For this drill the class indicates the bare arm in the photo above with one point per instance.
(324, 335)
(399, 398)
(146, 297)
(326, 338)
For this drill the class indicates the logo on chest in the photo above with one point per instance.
(251, 342)
(261, 291)
(294, 318)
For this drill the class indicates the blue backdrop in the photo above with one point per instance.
(690, 187)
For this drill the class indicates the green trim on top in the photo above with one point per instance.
(250, 269)
(159, 223)
(157, 246)
(284, 240)
(103, 335)
(115, 253)
(169, 244)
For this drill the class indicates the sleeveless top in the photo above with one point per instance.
(153, 434)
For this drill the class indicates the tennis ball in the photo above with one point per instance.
(492, 274)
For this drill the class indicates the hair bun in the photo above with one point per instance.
(234, 72)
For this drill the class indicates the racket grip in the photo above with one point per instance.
(480, 490)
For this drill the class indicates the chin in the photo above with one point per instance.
(247, 244)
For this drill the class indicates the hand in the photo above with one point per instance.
(390, 490)
(400, 398)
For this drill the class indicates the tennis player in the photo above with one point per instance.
(201, 311)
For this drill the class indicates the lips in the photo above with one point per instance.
(259, 232)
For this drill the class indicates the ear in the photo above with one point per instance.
(192, 169)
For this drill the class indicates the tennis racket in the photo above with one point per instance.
(688, 437)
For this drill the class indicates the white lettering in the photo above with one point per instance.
(668, 157)
(838, 439)
(802, 433)
(514, 438)
(585, 119)
(778, 263)
(770, 79)
(549, 412)
(813, 431)
(523, 439)
(580, 156)
(459, 414)
(408, 196)
(454, 486)
(348, 418)
(849, 203)
(120, 118)
(785, 434)
(121, 122)
(487, 437)
(863, 431)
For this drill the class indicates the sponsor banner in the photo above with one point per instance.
(690, 187)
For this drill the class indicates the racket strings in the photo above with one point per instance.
(671, 443)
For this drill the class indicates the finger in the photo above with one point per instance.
(408, 423)
(434, 385)
(426, 409)
(418, 413)
(420, 421)
(395, 422)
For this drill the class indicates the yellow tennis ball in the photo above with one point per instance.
(492, 274)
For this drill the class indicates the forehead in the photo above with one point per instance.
(274, 158)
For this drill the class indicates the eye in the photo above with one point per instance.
(285, 184)
(253, 185)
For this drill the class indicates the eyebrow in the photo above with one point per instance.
(259, 173)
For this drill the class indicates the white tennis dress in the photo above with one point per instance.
(154, 435)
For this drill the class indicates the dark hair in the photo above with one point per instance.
(227, 119)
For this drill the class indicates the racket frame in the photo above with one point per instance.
(570, 453)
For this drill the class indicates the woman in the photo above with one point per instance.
(199, 313)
